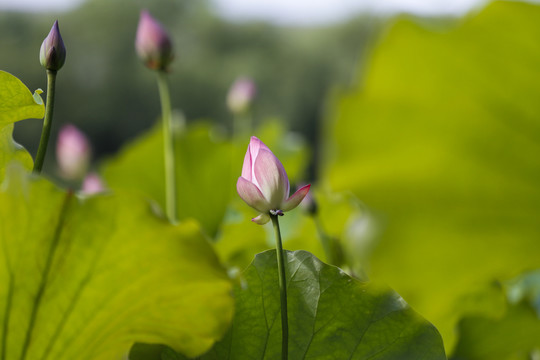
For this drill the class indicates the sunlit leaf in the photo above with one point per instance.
(17, 102)
(441, 141)
(10, 150)
(86, 278)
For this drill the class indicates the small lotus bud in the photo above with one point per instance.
(72, 152)
(92, 184)
(152, 43)
(52, 54)
(240, 95)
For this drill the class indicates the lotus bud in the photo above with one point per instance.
(52, 54)
(72, 152)
(241, 95)
(264, 184)
(152, 43)
(92, 184)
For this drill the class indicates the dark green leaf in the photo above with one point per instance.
(331, 316)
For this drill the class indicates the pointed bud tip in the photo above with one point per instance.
(52, 54)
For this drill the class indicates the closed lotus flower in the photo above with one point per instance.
(264, 184)
(52, 53)
(152, 43)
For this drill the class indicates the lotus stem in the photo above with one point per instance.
(47, 121)
(168, 147)
(282, 290)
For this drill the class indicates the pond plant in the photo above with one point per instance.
(155, 257)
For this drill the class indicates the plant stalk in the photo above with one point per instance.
(47, 121)
(282, 290)
(168, 148)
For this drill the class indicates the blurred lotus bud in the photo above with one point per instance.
(241, 95)
(72, 152)
(152, 43)
(52, 54)
(92, 184)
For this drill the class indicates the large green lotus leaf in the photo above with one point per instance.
(17, 102)
(11, 151)
(86, 278)
(442, 143)
(331, 316)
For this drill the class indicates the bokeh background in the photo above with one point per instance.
(426, 113)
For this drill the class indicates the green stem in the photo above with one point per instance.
(282, 290)
(47, 121)
(168, 147)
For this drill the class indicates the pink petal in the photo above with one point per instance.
(271, 177)
(262, 219)
(252, 195)
(295, 199)
(247, 167)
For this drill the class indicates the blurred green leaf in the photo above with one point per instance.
(86, 278)
(207, 167)
(331, 316)
(525, 287)
(441, 141)
(203, 172)
(10, 150)
(17, 102)
(514, 335)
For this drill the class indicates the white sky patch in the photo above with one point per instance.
(39, 5)
(305, 12)
(288, 12)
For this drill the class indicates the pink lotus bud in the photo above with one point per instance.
(152, 43)
(240, 95)
(92, 184)
(72, 152)
(264, 184)
(52, 54)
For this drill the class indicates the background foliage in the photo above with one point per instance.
(441, 142)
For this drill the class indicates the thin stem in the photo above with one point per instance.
(47, 121)
(282, 290)
(168, 148)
